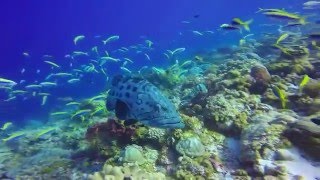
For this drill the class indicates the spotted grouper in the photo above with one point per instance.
(135, 99)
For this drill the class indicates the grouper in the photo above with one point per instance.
(137, 100)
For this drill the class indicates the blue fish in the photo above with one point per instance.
(135, 99)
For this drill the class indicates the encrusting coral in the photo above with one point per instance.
(127, 172)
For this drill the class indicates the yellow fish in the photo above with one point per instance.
(281, 94)
(270, 10)
(286, 16)
(81, 113)
(44, 131)
(97, 111)
(304, 82)
(14, 135)
(282, 37)
(6, 126)
(282, 49)
(101, 96)
(245, 24)
(52, 64)
(242, 42)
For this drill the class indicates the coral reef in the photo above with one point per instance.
(132, 154)
(292, 60)
(191, 146)
(251, 111)
(110, 131)
(151, 136)
(126, 172)
(227, 113)
(312, 89)
(305, 135)
(263, 137)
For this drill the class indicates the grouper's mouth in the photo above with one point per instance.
(164, 122)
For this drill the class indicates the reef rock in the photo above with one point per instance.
(227, 113)
(312, 88)
(261, 79)
(306, 136)
(262, 137)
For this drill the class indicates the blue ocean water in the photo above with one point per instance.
(44, 28)
(36, 32)
(48, 28)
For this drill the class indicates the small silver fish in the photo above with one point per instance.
(72, 81)
(108, 58)
(79, 53)
(110, 39)
(125, 69)
(176, 51)
(128, 60)
(147, 56)
(78, 38)
(26, 54)
(197, 33)
(7, 83)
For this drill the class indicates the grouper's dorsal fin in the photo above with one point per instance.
(116, 80)
(124, 79)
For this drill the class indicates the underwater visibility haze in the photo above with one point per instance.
(160, 89)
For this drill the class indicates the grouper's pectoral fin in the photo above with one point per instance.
(121, 110)
(111, 103)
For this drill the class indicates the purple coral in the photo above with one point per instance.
(111, 130)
